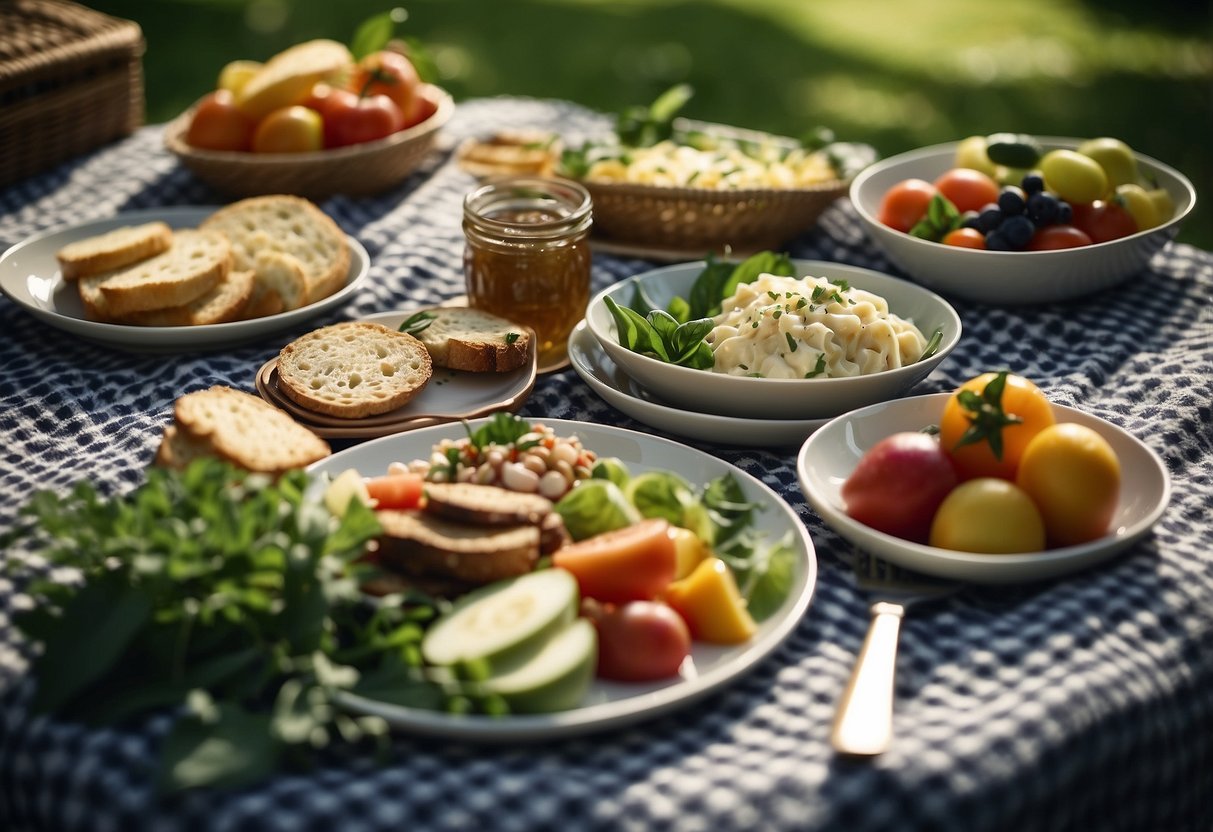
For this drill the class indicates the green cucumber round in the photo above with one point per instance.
(556, 677)
(1014, 150)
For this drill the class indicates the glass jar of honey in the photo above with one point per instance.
(527, 256)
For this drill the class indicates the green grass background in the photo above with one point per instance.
(895, 73)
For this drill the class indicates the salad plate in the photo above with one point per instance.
(608, 705)
(621, 391)
(30, 276)
(831, 454)
(449, 396)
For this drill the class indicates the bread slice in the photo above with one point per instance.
(485, 505)
(225, 302)
(280, 285)
(113, 249)
(418, 543)
(475, 341)
(353, 369)
(193, 264)
(287, 225)
(177, 450)
(246, 431)
(289, 76)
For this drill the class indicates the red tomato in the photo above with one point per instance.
(391, 74)
(396, 491)
(1104, 220)
(905, 203)
(294, 129)
(349, 119)
(218, 124)
(898, 484)
(427, 105)
(967, 189)
(634, 563)
(965, 238)
(641, 641)
(1058, 236)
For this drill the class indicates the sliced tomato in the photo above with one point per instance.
(396, 491)
(635, 563)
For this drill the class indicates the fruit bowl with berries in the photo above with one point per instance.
(311, 121)
(1013, 219)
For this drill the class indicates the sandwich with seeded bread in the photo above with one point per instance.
(113, 249)
(472, 340)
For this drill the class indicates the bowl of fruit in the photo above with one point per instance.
(311, 121)
(1016, 219)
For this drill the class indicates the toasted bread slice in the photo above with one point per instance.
(418, 543)
(289, 76)
(113, 249)
(475, 341)
(193, 264)
(287, 225)
(247, 432)
(484, 505)
(225, 302)
(177, 450)
(353, 369)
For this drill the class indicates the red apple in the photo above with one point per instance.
(898, 485)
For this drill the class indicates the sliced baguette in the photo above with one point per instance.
(225, 302)
(113, 249)
(247, 432)
(475, 341)
(177, 450)
(193, 264)
(287, 225)
(353, 369)
(421, 544)
(280, 284)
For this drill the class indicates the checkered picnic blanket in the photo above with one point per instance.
(1080, 703)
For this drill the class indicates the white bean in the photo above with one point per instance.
(535, 463)
(485, 473)
(519, 478)
(564, 452)
(553, 485)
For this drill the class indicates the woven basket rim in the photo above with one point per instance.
(710, 195)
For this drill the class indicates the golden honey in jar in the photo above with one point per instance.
(527, 256)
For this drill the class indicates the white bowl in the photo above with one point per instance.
(829, 456)
(704, 391)
(1011, 277)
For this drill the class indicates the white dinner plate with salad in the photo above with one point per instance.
(621, 391)
(30, 276)
(608, 705)
(831, 454)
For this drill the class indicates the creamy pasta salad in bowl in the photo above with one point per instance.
(771, 337)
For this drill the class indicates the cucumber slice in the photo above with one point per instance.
(1014, 150)
(504, 622)
(556, 678)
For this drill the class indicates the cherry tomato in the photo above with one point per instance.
(1073, 476)
(965, 238)
(391, 74)
(898, 484)
(396, 491)
(1104, 220)
(349, 119)
(641, 641)
(1019, 399)
(634, 563)
(294, 129)
(218, 124)
(967, 189)
(1058, 236)
(988, 515)
(905, 203)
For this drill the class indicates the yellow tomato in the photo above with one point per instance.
(998, 447)
(236, 74)
(289, 130)
(988, 515)
(1073, 476)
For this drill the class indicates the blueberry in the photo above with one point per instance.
(1043, 208)
(996, 241)
(969, 219)
(1011, 201)
(1065, 214)
(1033, 183)
(1017, 231)
(989, 218)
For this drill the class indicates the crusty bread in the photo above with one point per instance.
(419, 543)
(460, 338)
(224, 302)
(177, 450)
(246, 431)
(113, 249)
(193, 264)
(287, 225)
(353, 369)
(289, 76)
(280, 285)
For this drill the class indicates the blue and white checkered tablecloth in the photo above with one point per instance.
(1080, 704)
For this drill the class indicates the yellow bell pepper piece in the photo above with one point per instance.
(689, 551)
(710, 602)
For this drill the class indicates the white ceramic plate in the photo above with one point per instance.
(829, 456)
(618, 389)
(608, 705)
(704, 391)
(29, 275)
(1012, 277)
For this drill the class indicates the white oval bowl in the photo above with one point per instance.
(1011, 277)
(703, 391)
(829, 456)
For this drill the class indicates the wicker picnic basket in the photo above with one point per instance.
(71, 80)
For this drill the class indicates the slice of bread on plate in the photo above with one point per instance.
(240, 428)
(280, 285)
(353, 369)
(289, 225)
(418, 543)
(193, 264)
(225, 302)
(475, 341)
(113, 249)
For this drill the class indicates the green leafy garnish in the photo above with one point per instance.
(417, 322)
(646, 126)
(818, 368)
(503, 429)
(941, 218)
(986, 415)
(933, 343)
(660, 335)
